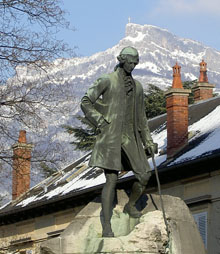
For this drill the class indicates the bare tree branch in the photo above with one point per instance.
(28, 93)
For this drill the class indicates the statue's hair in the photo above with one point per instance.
(122, 58)
(127, 51)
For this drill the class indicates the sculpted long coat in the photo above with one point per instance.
(105, 100)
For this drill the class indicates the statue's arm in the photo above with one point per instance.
(150, 147)
(145, 131)
(88, 101)
(146, 136)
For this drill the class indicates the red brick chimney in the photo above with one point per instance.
(21, 166)
(202, 89)
(177, 114)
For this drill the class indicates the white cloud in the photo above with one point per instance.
(185, 7)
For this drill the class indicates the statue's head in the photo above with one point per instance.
(128, 59)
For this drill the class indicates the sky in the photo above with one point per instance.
(100, 24)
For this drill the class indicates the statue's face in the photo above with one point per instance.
(130, 63)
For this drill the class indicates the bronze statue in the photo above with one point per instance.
(115, 106)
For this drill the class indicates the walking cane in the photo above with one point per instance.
(159, 190)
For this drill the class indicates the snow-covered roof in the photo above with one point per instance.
(80, 178)
(206, 139)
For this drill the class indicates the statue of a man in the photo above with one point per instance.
(115, 106)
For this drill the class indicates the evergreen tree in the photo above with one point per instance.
(155, 102)
(84, 135)
(46, 170)
(189, 85)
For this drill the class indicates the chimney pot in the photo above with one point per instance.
(177, 83)
(22, 136)
(202, 89)
(203, 72)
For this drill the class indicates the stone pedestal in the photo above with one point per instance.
(145, 235)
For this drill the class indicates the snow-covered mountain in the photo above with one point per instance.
(159, 50)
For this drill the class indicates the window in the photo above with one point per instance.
(201, 221)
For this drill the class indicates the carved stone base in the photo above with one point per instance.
(144, 235)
